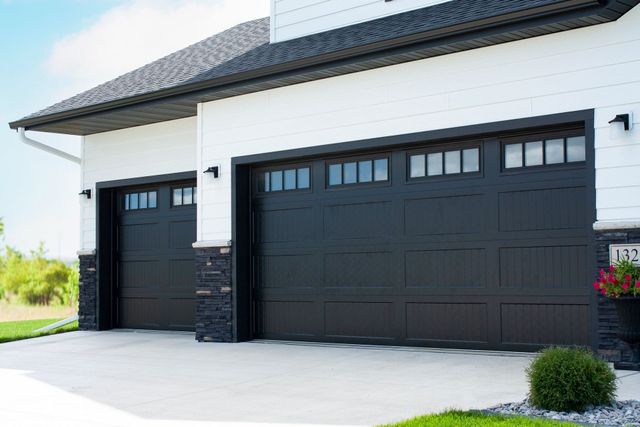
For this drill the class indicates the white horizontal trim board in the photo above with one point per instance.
(212, 244)
(296, 18)
(156, 149)
(616, 225)
(591, 68)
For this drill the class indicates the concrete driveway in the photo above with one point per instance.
(124, 378)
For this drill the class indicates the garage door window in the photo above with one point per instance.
(185, 196)
(140, 200)
(284, 180)
(358, 172)
(449, 162)
(544, 152)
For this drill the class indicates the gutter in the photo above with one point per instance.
(40, 146)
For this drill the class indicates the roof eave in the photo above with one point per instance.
(571, 9)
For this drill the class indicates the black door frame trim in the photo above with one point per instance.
(241, 194)
(106, 218)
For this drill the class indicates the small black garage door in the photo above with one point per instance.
(476, 244)
(155, 258)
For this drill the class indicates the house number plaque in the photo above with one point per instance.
(622, 252)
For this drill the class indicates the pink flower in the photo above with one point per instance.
(612, 269)
(625, 286)
(596, 286)
(602, 273)
(627, 278)
(638, 284)
(603, 291)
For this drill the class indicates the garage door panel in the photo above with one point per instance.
(552, 267)
(444, 215)
(139, 312)
(451, 268)
(182, 315)
(139, 274)
(180, 235)
(358, 221)
(546, 209)
(367, 320)
(284, 225)
(462, 322)
(545, 324)
(139, 237)
(287, 271)
(288, 319)
(182, 273)
(358, 269)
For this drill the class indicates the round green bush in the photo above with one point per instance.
(570, 379)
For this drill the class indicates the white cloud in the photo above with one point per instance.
(138, 32)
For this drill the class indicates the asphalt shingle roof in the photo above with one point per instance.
(246, 47)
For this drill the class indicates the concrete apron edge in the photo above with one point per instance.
(398, 348)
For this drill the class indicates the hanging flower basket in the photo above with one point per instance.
(621, 284)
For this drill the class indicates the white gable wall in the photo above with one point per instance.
(156, 149)
(296, 18)
(596, 67)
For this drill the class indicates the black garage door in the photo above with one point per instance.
(477, 244)
(156, 266)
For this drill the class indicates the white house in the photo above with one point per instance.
(407, 172)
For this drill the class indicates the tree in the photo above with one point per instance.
(36, 279)
(2, 260)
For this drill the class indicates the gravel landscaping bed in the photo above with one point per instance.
(625, 413)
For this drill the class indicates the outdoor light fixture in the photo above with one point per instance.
(620, 124)
(215, 170)
(86, 193)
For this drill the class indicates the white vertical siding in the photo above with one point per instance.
(155, 149)
(596, 67)
(296, 18)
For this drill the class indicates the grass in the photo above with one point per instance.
(476, 419)
(12, 311)
(20, 330)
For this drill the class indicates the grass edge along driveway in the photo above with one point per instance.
(23, 329)
(473, 419)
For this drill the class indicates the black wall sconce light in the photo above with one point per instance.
(620, 124)
(215, 171)
(625, 119)
(85, 193)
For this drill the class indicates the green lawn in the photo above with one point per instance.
(473, 419)
(13, 331)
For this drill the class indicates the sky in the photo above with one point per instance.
(54, 49)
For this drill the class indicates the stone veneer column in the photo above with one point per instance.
(609, 346)
(87, 304)
(214, 309)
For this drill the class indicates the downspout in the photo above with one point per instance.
(59, 153)
(40, 146)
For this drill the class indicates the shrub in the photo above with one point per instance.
(570, 379)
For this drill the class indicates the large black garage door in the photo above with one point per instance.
(155, 258)
(476, 244)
